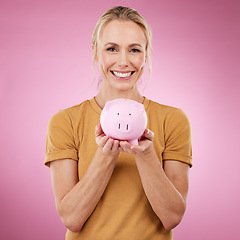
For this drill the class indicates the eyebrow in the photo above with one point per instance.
(135, 44)
(111, 43)
(131, 45)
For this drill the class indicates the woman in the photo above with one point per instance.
(109, 189)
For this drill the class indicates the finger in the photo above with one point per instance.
(108, 146)
(122, 145)
(137, 148)
(115, 145)
(143, 145)
(148, 134)
(103, 141)
(98, 130)
(120, 148)
(126, 147)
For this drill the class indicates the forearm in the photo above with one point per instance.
(79, 203)
(165, 199)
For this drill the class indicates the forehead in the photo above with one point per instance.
(120, 31)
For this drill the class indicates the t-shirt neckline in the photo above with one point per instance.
(95, 106)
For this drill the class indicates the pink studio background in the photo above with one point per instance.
(45, 65)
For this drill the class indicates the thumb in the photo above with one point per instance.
(98, 130)
(149, 134)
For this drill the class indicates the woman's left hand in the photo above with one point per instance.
(144, 143)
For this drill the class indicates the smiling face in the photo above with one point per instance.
(121, 54)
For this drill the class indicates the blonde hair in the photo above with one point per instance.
(123, 13)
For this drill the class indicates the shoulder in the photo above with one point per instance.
(166, 112)
(77, 108)
(73, 110)
(68, 115)
(161, 107)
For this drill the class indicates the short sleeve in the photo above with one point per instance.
(60, 142)
(178, 143)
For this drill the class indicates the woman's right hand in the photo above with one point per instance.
(107, 145)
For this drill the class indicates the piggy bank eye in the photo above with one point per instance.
(129, 114)
(117, 113)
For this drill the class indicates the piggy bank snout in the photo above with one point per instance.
(123, 126)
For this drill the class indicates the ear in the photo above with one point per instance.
(140, 107)
(109, 104)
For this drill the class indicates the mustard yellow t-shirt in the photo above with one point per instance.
(123, 213)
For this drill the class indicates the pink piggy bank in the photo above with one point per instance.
(124, 119)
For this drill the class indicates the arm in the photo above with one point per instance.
(166, 187)
(76, 199)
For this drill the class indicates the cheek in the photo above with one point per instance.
(106, 61)
(139, 62)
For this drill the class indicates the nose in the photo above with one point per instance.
(123, 126)
(123, 59)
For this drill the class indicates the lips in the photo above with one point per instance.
(122, 74)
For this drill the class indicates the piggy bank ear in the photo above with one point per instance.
(108, 105)
(140, 107)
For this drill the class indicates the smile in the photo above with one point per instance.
(121, 74)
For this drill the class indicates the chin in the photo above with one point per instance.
(123, 86)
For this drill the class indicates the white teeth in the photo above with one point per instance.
(122, 75)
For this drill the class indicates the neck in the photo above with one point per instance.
(107, 95)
